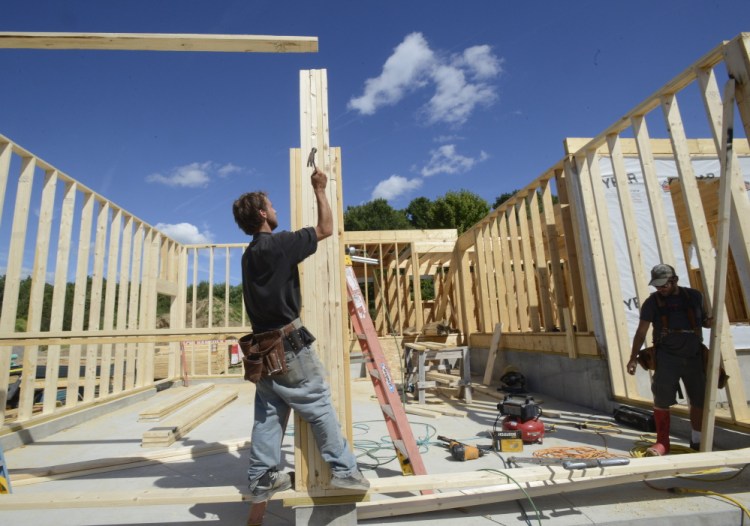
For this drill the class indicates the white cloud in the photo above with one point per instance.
(405, 70)
(194, 175)
(461, 81)
(395, 186)
(455, 98)
(185, 233)
(480, 62)
(228, 169)
(446, 160)
(447, 138)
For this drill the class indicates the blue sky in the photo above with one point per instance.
(425, 97)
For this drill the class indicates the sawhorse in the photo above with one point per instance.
(416, 356)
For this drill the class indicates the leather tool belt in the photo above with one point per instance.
(263, 353)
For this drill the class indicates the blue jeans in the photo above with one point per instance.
(304, 389)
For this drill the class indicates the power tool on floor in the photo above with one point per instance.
(461, 451)
(522, 414)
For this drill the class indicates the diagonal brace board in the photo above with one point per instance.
(646, 468)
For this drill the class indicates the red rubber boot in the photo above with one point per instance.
(661, 418)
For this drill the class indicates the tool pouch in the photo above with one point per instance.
(647, 358)
(298, 339)
(263, 355)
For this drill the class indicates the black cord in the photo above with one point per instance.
(524, 515)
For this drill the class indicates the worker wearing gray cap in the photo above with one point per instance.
(677, 314)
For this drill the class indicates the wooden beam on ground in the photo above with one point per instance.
(173, 400)
(489, 391)
(419, 410)
(160, 42)
(646, 468)
(492, 494)
(169, 432)
(28, 476)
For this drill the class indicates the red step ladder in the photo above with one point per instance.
(385, 388)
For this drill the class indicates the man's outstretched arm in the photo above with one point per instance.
(324, 228)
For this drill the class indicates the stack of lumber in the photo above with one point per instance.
(172, 400)
(188, 418)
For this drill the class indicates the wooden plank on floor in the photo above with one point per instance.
(28, 476)
(419, 410)
(189, 418)
(646, 468)
(173, 400)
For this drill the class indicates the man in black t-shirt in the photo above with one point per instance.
(271, 289)
(677, 315)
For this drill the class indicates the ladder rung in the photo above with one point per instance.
(374, 373)
(361, 336)
(399, 444)
(388, 411)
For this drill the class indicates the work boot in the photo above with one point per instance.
(657, 450)
(356, 481)
(268, 484)
(661, 447)
(695, 446)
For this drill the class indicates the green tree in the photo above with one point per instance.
(375, 215)
(419, 213)
(460, 210)
(502, 198)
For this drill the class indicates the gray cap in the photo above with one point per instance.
(660, 274)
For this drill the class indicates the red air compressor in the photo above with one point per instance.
(522, 415)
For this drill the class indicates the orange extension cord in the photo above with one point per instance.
(574, 452)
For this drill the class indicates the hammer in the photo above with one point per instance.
(311, 159)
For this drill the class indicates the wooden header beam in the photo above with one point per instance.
(160, 42)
